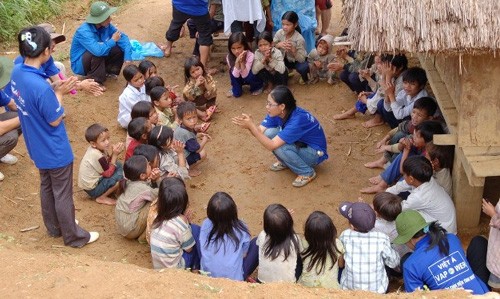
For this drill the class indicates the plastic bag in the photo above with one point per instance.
(141, 51)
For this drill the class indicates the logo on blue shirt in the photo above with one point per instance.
(448, 268)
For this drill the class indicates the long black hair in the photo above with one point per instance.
(321, 234)
(437, 234)
(33, 41)
(278, 225)
(281, 94)
(173, 200)
(236, 37)
(222, 211)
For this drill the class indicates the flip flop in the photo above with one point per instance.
(210, 110)
(204, 127)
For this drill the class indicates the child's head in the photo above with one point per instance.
(223, 213)
(440, 156)
(152, 82)
(148, 69)
(265, 41)
(278, 225)
(160, 98)
(236, 44)
(325, 45)
(360, 215)
(98, 137)
(173, 200)
(387, 205)
(139, 128)
(321, 235)
(423, 109)
(150, 152)
(186, 113)
(33, 42)
(400, 62)
(414, 80)
(145, 109)
(290, 22)
(137, 168)
(161, 137)
(133, 75)
(193, 68)
(425, 131)
(417, 168)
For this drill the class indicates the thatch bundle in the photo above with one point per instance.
(459, 26)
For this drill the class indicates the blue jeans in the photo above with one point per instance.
(300, 160)
(352, 80)
(237, 83)
(106, 183)
(192, 258)
(387, 116)
(392, 173)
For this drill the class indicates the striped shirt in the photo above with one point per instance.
(168, 241)
(365, 256)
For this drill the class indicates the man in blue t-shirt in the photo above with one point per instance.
(98, 49)
(197, 11)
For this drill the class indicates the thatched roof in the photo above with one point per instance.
(450, 26)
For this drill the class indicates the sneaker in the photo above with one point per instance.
(301, 81)
(278, 166)
(302, 180)
(9, 159)
(229, 94)
(1, 177)
(93, 237)
(77, 222)
(257, 92)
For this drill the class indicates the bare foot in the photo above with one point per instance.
(194, 172)
(376, 164)
(167, 51)
(375, 180)
(372, 123)
(345, 115)
(372, 189)
(106, 200)
(212, 71)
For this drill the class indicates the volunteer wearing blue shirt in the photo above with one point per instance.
(41, 115)
(197, 11)
(98, 48)
(292, 133)
(438, 260)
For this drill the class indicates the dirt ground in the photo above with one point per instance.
(36, 265)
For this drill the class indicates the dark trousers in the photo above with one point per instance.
(192, 258)
(275, 78)
(352, 80)
(237, 83)
(97, 67)
(476, 255)
(387, 116)
(301, 67)
(202, 24)
(215, 26)
(58, 209)
(8, 141)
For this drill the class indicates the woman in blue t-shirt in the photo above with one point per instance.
(293, 135)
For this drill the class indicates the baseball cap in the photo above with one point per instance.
(56, 37)
(6, 66)
(359, 214)
(408, 223)
(99, 12)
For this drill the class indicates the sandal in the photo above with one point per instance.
(204, 127)
(211, 110)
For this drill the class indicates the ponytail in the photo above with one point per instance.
(437, 234)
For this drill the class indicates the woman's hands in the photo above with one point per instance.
(244, 120)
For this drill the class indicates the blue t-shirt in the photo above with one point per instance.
(223, 259)
(429, 267)
(38, 106)
(301, 126)
(48, 68)
(191, 7)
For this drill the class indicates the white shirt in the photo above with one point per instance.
(403, 105)
(245, 11)
(129, 97)
(442, 177)
(433, 203)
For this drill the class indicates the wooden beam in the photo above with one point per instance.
(445, 139)
(474, 180)
(485, 166)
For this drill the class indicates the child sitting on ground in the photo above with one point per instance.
(322, 254)
(132, 206)
(138, 129)
(268, 63)
(423, 109)
(164, 105)
(153, 156)
(441, 158)
(319, 59)
(367, 252)
(148, 69)
(173, 238)
(427, 197)
(152, 82)
(185, 133)
(172, 159)
(134, 92)
(99, 174)
(279, 247)
(200, 88)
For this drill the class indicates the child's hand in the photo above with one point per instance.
(155, 174)
(317, 63)
(243, 56)
(205, 137)
(189, 214)
(336, 66)
(177, 146)
(117, 148)
(407, 143)
(390, 89)
(200, 81)
(382, 149)
(488, 208)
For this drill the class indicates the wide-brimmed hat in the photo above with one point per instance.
(359, 214)
(56, 37)
(99, 12)
(408, 223)
(6, 65)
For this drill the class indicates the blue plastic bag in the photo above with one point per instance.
(141, 51)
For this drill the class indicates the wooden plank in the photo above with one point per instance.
(485, 166)
(445, 139)
(481, 150)
(474, 180)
